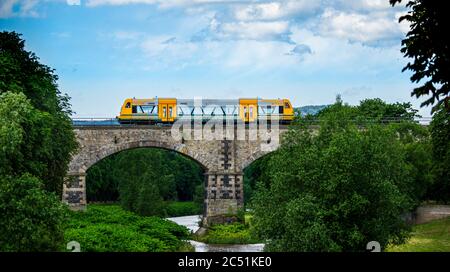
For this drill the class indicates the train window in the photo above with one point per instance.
(209, 110)
(229, 110)
(197, 111)
(134, 109)
(128, 105)
(286, 105)
(164, 111)
(183, 109)
(269, 109)
(260, 110)
(148, 109)
(170, 112)
(251, 111)
(281, 110)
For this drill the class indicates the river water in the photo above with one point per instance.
(192, 223)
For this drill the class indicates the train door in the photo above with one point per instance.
(167, 109)
(248, 110)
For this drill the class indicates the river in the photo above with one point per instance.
(192, 223)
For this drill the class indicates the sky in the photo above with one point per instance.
(308, 51)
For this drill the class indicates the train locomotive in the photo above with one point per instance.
(169, 110)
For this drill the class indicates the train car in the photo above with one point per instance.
(169, 110)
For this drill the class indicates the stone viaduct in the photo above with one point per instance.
(222, 158)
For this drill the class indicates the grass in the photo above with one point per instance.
(429, 237)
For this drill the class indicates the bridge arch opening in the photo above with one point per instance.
(148, 180)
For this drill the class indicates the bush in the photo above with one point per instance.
(31, 218)
(114, 238)
(110, 228)
(235, 233)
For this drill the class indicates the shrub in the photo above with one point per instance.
(235, 233)
(31, 218)
(110, 228)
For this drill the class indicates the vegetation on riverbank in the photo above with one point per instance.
(109, 228)
(429, 237)
(235, 233)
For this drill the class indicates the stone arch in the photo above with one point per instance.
(255, 156)
(90, 157)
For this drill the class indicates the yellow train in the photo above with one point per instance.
(169, 110)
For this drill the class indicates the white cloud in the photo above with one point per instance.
(366, 28)
(73, 2)
(166, 51)
(333, 53)
(94, 3)
(365, 5)
(252, 30)
(404, 25)
(161, 3)
(13, 8)
(273, 10)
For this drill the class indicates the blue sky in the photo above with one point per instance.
(309, 51)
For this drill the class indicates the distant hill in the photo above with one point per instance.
(309, 109)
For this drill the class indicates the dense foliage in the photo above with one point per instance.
(40, 129)
(145, 180)
(253, 174)
(235, 233)
(31, 218)
(428, 48)
(399, 117)
(183, 208)
(337, 189)
(109, 228)
(370, 110)
(36, 141)
(440, 135)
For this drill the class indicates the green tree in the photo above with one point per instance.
(428, 47)
(416, 144)
(335, 191)
(32, 219)
(47, 137)
(253, 174)
(440, 135)
(379, 110)
(148, 199)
